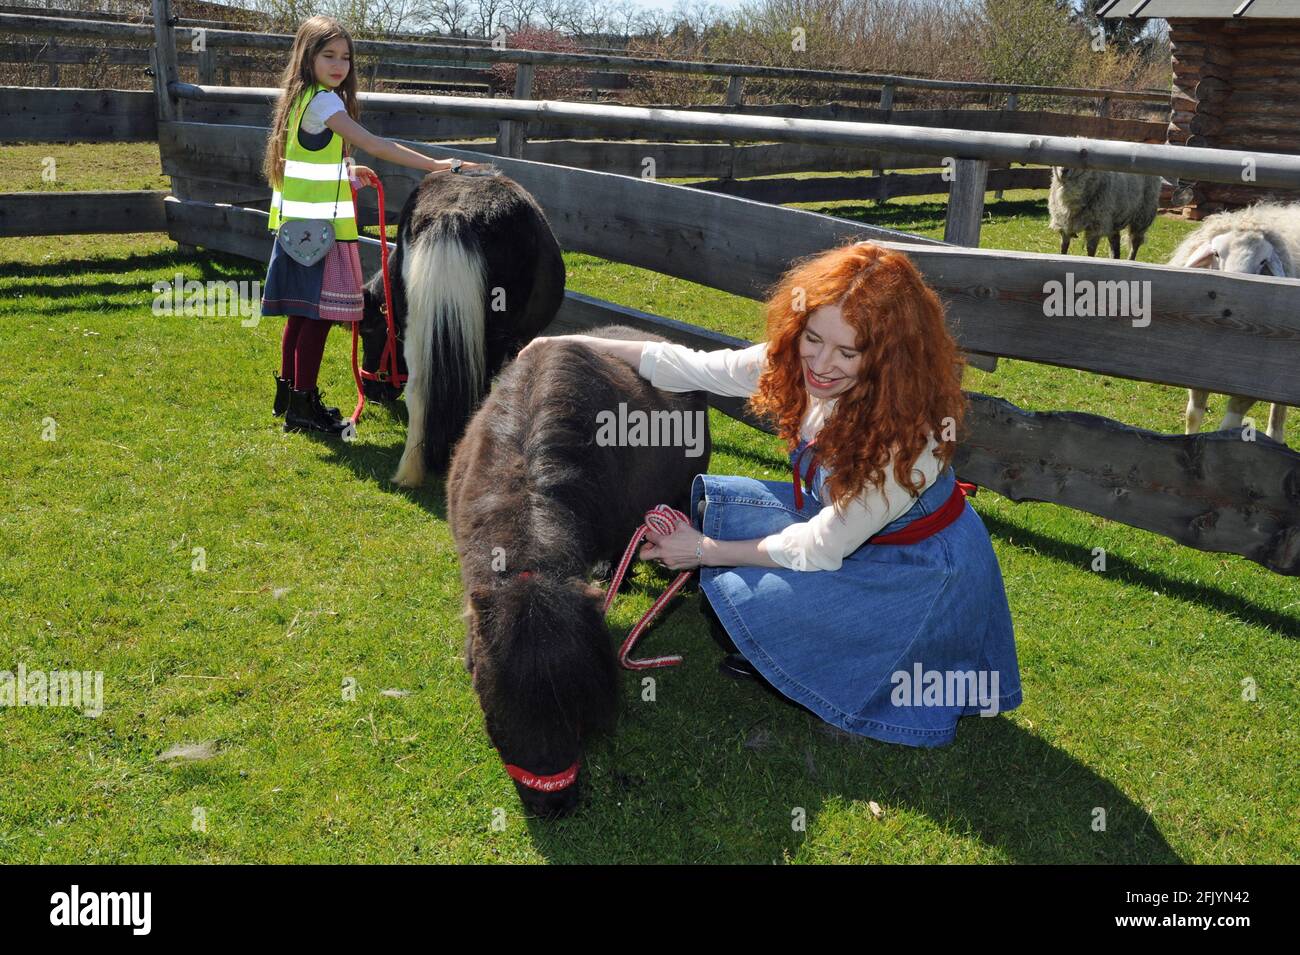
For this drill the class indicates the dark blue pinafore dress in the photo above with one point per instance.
(898, 644)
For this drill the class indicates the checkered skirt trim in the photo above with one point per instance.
(340, 293)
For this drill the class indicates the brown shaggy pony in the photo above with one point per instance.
(534, 488)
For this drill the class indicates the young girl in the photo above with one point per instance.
(306, 165)
(874, 599)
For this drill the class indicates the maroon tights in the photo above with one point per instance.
(301, 350)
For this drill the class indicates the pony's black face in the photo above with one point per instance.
(373, 332)
(544, 670)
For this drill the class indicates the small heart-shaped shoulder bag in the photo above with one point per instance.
(307, 241)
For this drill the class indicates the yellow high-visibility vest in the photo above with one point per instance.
(315, 184)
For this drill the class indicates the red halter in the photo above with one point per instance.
(545, 784)
(661, 520)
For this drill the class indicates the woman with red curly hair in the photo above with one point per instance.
(866, 589)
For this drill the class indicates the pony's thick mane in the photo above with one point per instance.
(543, 492)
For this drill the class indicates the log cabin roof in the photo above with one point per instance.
(1204, 9)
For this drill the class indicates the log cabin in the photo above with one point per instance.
(1236, 83)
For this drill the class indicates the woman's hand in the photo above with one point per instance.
(676, 550)
(540, 338)
(550, 338)
(366, 176)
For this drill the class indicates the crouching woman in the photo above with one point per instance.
(866, 588)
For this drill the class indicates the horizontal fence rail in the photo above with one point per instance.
(81, 213)
(32, 114)
(1187, 162)
(1211, 491)
(1249, 324)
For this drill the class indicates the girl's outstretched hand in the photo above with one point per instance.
(366, 176)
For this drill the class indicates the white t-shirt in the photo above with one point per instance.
(322, 106)
(823, 542)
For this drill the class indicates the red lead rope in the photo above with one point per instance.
(388, 368)
(662, 520)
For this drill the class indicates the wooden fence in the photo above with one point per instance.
(1226, 333)
(570, 144)
(733, 74)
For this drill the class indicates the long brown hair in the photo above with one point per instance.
(910, 382)
(298, 77)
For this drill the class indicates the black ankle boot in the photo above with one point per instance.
(738, 668)
(306, 412)
(283, 386)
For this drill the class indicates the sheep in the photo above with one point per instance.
(1100, 203)
(1262, 239)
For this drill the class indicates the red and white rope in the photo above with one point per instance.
(662, 520)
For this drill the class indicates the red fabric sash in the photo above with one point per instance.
(923, 527)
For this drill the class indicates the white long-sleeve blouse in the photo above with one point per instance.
(823, 542)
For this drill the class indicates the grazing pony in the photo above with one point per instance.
(536, 497)
(476, 275)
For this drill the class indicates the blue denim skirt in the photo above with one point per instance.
(898, 644)
(291, 288)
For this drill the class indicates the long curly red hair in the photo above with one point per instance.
(910, 382)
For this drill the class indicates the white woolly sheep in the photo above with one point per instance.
(1099, 203)
(1262, 239)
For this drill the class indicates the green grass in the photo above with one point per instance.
(318, 571)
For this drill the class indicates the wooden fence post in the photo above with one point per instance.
(887, 105)
(735, 97)
(207, 67)
(511, 132)
(165, 72)
(735, 90)
(1012, 100)
(965, 211)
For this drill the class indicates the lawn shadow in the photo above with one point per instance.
(917, 216)
(375, 463)
(1117, 567)
(746, 754)
(73, 270)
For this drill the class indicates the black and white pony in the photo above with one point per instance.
(476, 275)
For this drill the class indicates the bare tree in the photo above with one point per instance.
(519, 13)
(486, 16)
(553, 15)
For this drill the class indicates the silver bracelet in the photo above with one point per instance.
(699, 549)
